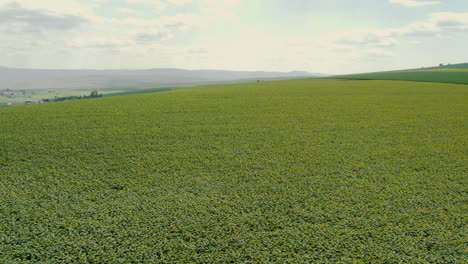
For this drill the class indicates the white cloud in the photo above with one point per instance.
(414, 3)
(439, 24)
(69, 7)
(162, 2)
(448, 19)
(16, 18)
(365, 38)
(127, 11)
(157, 5)
(179, 2)
(374, 44)
(26, 17)
(193, 34)
(220, 9)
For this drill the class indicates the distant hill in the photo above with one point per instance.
(12, 78)
(451, 66)
(453, 73)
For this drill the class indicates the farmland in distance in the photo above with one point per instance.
(309, 171)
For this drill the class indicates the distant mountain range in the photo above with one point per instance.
(17, 79)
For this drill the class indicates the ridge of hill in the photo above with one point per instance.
(450, 66)
(21, 79)
(453, 73)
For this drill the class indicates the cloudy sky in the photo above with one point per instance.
(327, 36)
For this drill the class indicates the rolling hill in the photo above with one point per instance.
(451, 66)
(456, 73)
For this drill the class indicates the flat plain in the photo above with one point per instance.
(300, 171)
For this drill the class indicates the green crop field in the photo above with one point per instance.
(302, 171)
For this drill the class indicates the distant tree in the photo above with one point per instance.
(94, 94)
(440, 65)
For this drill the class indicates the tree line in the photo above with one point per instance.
(93, 94)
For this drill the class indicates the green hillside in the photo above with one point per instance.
(303, 171)
(455, 73)
(451, 66)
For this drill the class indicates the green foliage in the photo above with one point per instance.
(457, 77)
(94, 94)
(277, 172)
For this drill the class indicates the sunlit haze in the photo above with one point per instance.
(333, 36)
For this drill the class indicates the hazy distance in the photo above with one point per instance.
(19, 79)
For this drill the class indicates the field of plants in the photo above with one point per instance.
(457, 76)
(300, 171)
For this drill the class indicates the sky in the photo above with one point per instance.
(321, 36)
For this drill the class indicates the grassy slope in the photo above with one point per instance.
(451, 66)
(298, 171)
(455, 73)
(420, 76)
(165, 89)
(144, 91)
(441, 70)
